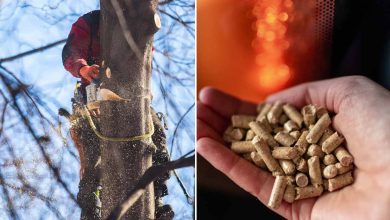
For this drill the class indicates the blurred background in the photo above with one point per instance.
(34, 85)
(253, 48)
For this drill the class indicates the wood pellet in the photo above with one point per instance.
(299, 147)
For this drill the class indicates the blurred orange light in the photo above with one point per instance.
(288, 3)
(271, 16)
(274, 77)
(252, 48)
(283, 16)
(270, 36)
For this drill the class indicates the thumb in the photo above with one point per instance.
(345, 96)
(332, 94)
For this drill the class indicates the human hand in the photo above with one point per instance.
(89, 72)
(362, 115)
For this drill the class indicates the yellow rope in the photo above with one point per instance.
(115, 139)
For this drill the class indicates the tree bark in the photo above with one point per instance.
(127, 72)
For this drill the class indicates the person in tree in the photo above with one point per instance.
(81, 57)
(81, 53)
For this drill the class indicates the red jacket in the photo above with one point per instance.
(83, 45)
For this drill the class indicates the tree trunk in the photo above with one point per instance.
(127, 75)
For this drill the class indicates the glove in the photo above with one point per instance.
(89, 72)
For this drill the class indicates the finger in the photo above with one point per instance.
(96, 66)
(246, 175)
(92, 74)
(204, 130)
(347, 97)
(95, 72)
(327, 93)
(243, 173)
(225, 104)
(337, 95)
(332, 94)
(211, 118)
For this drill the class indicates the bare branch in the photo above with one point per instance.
(39, 49)
(29, 127)
(151, 174)
(8, 196)
(178, 124)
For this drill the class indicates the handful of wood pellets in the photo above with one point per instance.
(299, 148)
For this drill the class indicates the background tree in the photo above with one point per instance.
(39, 165)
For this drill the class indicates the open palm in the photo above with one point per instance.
(362, 115)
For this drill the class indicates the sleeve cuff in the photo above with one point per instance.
(81, 64)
